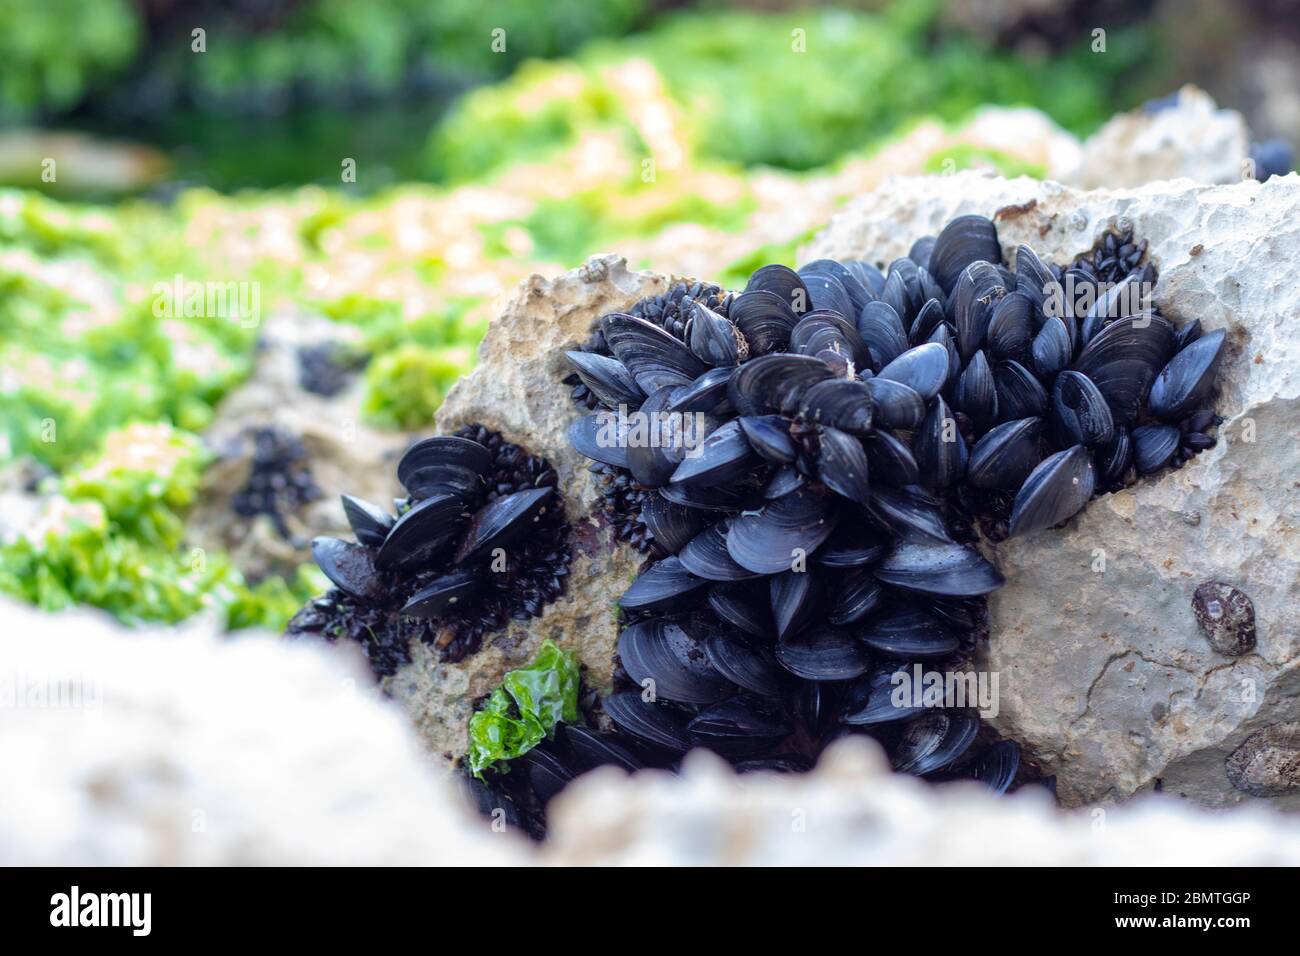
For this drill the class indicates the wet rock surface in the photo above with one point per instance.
(1106, 678)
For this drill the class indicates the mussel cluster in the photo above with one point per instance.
(858, 432)
(279, 479)
(480, 539)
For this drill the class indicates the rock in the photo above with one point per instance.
(1187, 135)
(851, 811)
(163, 747)
(341, 452)
(1106, 679)
(1268, 763)
(516, 390)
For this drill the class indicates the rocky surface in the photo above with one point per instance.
(516, 390)
(1106, 678)
(123, 748)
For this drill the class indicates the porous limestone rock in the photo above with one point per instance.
(1106, 679)
(516, 389)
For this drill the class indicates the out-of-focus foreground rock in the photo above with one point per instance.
(1107, 679)
(184, 747)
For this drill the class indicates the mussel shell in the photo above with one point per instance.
(1114, 459)
(866, 273)
(928, 320)
(977, 393)
(1052, 347)
(940, 448)
(1186, 382)
(744, 606)
(770, 540)
(1055, 490)
(891, 459)
(816, 704)
(882, 332)
(654, 357)
(857, 291)
(706, 556)
(909, 510)
(666, 660)
(607, 378)
(894, 404)
(964, 240)
(652, 723)
(591, 749)
(547, 773)
(670, 524)
(444, 465)
(978, 291)
(664, 586)
(421, 531)
(934, 740)
(656, 444)
(769, 436)
(1123, 358)
(1153, 446)
(601, 438)
(775, 383)
(370, 523)
(502, 521)
(1006, 455)
(997, 766)
(942, 569)
(723, 457)
(765, 319)
(1080, 414)
(1033, 279)
(845, 404)
(827, 293)
(750, 667)
(738, 727)
(717, 498)
(859, 594)
(795, 598)
(870, 699)
(784, 480)
(1011, 328)
(785, 283)
(452, 588)
(823, 654)
(714, 339)
(923, 368)
(1020, 394)
(842, 465)
(909, 633)
(707, 394)
(350, 567)
(851, 546)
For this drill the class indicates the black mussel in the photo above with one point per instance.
(1033, 279)
(945, 570)
(895, 295)
(670, 524)
(940, 448)
(879, 697)
(934, 740)
(822, 332)
(664, 586)
(786, 763)
(1123, 358)
(977, 294)
(823, 654)
(668, 663)
(783, 282)
(891, 459)
(714, 339)
(859, 594)
(997, 766)
(351, 567)
(750, 667)
(1020, 394)
(782, 533)
(964, 240)
(882, 332)
(894, 404)
(1055, 490)
(909, 633)
(1186, 382)
(942, 336)
(795, 598)
(370, 523)
(502, 521)
(909, 510)
(1153, 446)
(842, 465)
(657, 440)
(817, 704)
(1080, 414)
(1188, 333)
(859, 294)
(547, 773)
(827, 293)
(1006, 455)
(738, 727)
(443, 592)
(909, 275)
(1012, 326)
(775, 383)
(706, 556)
(921, 251)
(764, 319)
(923, 368)
(601, 437)
(718, 498)
(444, 465)
(1114, 459)
(843, 403)
(723, 457)
(419, 533)
(1052, 347)
(745, 606)
(784, 480)
(852, 545)
(707, 394)
(977, 393)
(607, 378)
(591, 749)
(928, 320)
(653, 356)
(870, 277)
(652, 723)
(769, 435)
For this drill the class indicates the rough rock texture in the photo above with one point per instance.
(122, 748)
(1106, 679)
(516, 390)
(1192, 137)
(342, 452)
(165, 747)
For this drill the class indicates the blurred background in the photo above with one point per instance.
(368, 181)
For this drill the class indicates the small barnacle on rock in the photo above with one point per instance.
(1226, 617)
(1268, 761)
